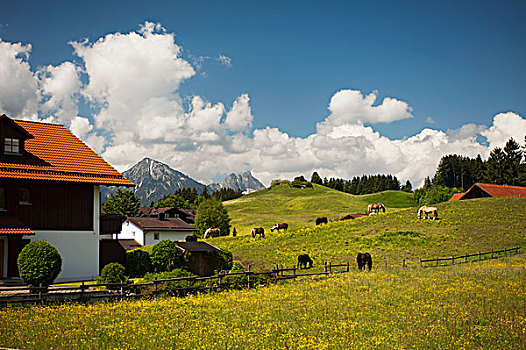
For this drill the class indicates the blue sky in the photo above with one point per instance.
(454, 63)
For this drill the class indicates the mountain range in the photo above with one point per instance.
(155, 180)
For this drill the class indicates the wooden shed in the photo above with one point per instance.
(198, 263)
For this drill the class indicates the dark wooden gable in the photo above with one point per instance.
(12, 131)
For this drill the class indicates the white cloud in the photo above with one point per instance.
(133, 81)
(225, 60)
(505, 125)
(240, 116)
(19, 86)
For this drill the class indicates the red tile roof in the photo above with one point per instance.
(13, 226)
(68, 158)
(456, 197)
(501, 190)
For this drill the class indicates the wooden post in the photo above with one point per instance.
(281, 268)
(40, 292)
(348, 266)
(466, 258)
(420, 260)
(437, 261)
(492, 253)
(276, 274)
(219, 281)
(403, 263)
(248, 277)
(325, 267)
(155, 284)
(330, 267)
(516, 250)
(294, 271)
(452, 260)
(480, 256)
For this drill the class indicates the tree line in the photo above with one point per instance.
(364, 184)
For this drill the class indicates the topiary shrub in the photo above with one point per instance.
(166, 256)
(138, 263)
(39, 262)
(112, 273)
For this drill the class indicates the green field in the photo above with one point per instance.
(463, 227)
(477, 305)
(301, 207)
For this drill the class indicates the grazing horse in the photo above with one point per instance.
(257, 231)
(376, 207)
(427, 211)
(212, 232)
(322, 220)
(191, 238)
(303, 260)
(283, 226)
(364, 259)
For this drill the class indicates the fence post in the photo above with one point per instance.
(281, 268)
(219, 281)
(492, 253)
(452, 260)
(480, 256)
(40, 293)
(403, 263)
(348, 266)
(294, 271)
(466, 258)
(420, 261)
(248, 277)
(325, 267)
(276, 274)
(437, 261)
(516, 250)
(155, 285)
(330, 267)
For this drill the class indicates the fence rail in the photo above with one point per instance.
(88, 293)
(462, 259)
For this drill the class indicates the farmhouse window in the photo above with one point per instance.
(11, 146)
(156, 236)
(23, 196)
(2, 198)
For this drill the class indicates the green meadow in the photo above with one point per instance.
(477, 305)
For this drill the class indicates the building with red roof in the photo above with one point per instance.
(50, 190)
(479, 190)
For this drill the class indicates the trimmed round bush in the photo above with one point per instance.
(112, 273)
(138, 263)
(39, 262)
(166, 256)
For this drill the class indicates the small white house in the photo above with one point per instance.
(152, 230)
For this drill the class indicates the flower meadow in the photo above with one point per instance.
(479, 305)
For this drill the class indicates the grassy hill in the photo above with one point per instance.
(300, 207)
(464, 227)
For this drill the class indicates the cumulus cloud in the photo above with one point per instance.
(19, 88)
(132, 82)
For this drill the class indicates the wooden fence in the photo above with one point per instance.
(462, 259)
(89, 293)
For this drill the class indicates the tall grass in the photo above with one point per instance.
(473, 306)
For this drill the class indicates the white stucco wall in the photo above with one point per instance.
(166, 235)
(79, 249)
(130, 231)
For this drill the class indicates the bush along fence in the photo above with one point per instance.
(462, 259)
(179, 286)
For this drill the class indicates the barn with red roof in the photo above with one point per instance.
(480, 190)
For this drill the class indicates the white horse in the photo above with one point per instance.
(427, 211)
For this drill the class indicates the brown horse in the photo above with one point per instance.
(427, 211)
(212, 232)
(303, 260)
(364, 259)
(283, 226)
(257, 231)
(322, 220)
(376, 207)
